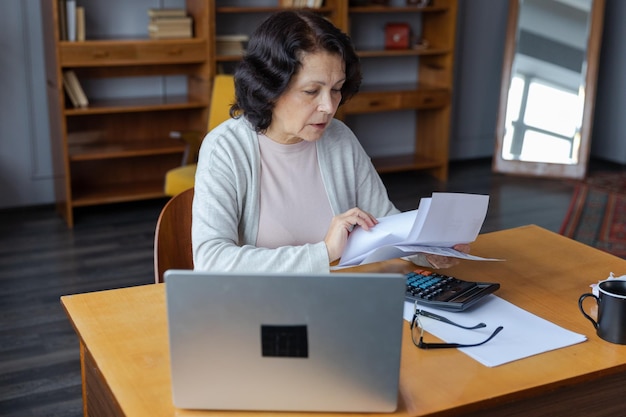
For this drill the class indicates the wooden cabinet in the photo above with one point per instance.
(118, 148)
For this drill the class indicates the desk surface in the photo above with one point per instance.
(125, 333)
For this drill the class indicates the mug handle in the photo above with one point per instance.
(582, 310)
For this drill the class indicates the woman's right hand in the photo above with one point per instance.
(340, 228)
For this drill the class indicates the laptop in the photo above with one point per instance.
(285, 342)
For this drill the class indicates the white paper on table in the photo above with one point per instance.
(524, 333)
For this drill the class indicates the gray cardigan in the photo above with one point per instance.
(225, 207)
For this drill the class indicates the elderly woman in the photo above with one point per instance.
(280, 186)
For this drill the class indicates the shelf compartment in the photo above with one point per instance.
(115, 136)
(132, 52)
(117, 180)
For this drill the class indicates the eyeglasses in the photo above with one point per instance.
(418, 329)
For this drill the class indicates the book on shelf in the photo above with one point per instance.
(231, 44)
(169, 33)
(80, 23)
(165, 13)
(71, 21)
(313, 4)
(62, 9)
(74, 90)
(169, 23)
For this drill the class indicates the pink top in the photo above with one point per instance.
(294, 206)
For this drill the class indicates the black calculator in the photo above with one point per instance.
(445, 292)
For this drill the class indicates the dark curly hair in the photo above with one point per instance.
(274, 55)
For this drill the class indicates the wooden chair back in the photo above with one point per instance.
(172, 237)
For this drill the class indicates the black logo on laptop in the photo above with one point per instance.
(284, 341)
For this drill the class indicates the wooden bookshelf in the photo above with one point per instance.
(132, 150)
(118, 150)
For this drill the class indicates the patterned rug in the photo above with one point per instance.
(597, 213)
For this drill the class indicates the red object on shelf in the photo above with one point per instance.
(397, 36)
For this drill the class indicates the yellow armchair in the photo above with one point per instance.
(182, 178)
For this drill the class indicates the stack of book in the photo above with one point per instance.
(313, 4)
(169, 24)
(231, 44)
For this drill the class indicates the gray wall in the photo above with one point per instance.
(609, 135)
(478, 68)
(26, 176)
(25, 165)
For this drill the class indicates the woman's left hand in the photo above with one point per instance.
(438, 261)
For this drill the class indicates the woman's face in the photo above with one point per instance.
(308, 105)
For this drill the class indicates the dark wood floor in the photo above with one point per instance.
(111, 247)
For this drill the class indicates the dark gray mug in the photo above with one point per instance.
(611, 324)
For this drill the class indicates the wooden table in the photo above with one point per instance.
(125, 359)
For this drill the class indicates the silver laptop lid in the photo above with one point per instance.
(285, 342)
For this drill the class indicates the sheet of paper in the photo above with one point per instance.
(449, 252)
(524, 333)
(420, 218)
(452, 218)
(389, 230)
(402, 251)
(441, 221)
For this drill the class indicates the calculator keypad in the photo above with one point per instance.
(427, 285)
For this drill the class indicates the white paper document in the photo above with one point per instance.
(524, 334)
(440, 222)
